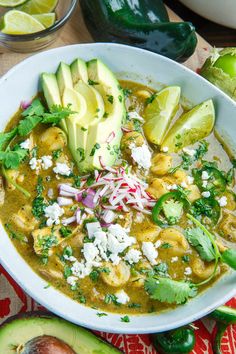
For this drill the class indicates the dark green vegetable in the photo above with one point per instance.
(208, 207)
(171, 206)
(216, 182)
(180, 340)
(143, 23)
(224, 314)
(221, 328)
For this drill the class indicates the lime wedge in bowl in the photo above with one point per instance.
(11, 3)
(47, 20)
(18, 22)
(191, 127)
(34, 7)
(159, 113)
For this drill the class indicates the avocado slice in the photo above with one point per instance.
(64, 78)
(98, 142)
(79, 71)
(52, 93)
(24, 332)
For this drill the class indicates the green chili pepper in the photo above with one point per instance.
(181, 340)
(141, 23)
(171, 205)
(224, 316)
(208, 207)
(216, 183)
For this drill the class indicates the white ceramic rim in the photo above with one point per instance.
(65, 307)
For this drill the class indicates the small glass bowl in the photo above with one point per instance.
(36, 41)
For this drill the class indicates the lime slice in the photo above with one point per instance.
(47, 20)
(11, 3)
(34, 7)
(191, 127)
(18, 22)
(159, 113)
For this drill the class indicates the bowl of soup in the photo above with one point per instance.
(117, 187)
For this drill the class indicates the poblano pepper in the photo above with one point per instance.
(143, 23)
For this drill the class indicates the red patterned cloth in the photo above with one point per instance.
(13, 301)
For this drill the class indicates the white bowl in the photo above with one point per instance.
(222, 12)
(21, 83)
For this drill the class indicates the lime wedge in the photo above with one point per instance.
(191, 127)
(47, 20)
(11, 3)
(159, 113)
(18, 22)
(34, 7)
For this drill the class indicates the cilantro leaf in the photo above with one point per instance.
(201, 150)
(28, 124)
(169, 291)
(6, 137)
(198, 239)
(35, 109)
(12, 158)
(57, 113)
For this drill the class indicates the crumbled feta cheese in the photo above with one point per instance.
(184, 185)
(206, 194)
(35, 164)
(204, 184)
(90, 252)
(69, 258)
(205, 175)
(222, 201)
(25, 144)
(150, 252)
(81, 269)
(46, 162)
(174, 259)
(157, 243)
(53, 213)
(71, 280)
(93, 227)
(190, 152)
(190, 179)
(172, 187)
(122, 297)
(188, 271)
(165, 149)
(135, 115)
(62, 169)
(142, 156)
(133, 256)
(50, 193)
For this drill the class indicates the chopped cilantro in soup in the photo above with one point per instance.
(118, 195)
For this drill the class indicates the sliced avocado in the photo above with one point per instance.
(64, 78)
(50, 89)
(24, 334)
(77, 136)
(98, 145)
(79, 71)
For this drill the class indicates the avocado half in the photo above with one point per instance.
(46, 334)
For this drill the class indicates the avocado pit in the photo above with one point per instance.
(46, 345)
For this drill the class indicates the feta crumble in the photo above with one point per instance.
(72, 280)
(204, 183)
(142, 156)
(62, 169)
(122, 297)
(187, 271)
(222, 201)
(46, 162)
(165, 149)
(190, 179)
(25, 144)
(35, 164)
(205, 175)
(184, 185)
(174, 259)
(53, 213)
(190, 152)
(206, 194)
(150, 252)
(133, 256)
